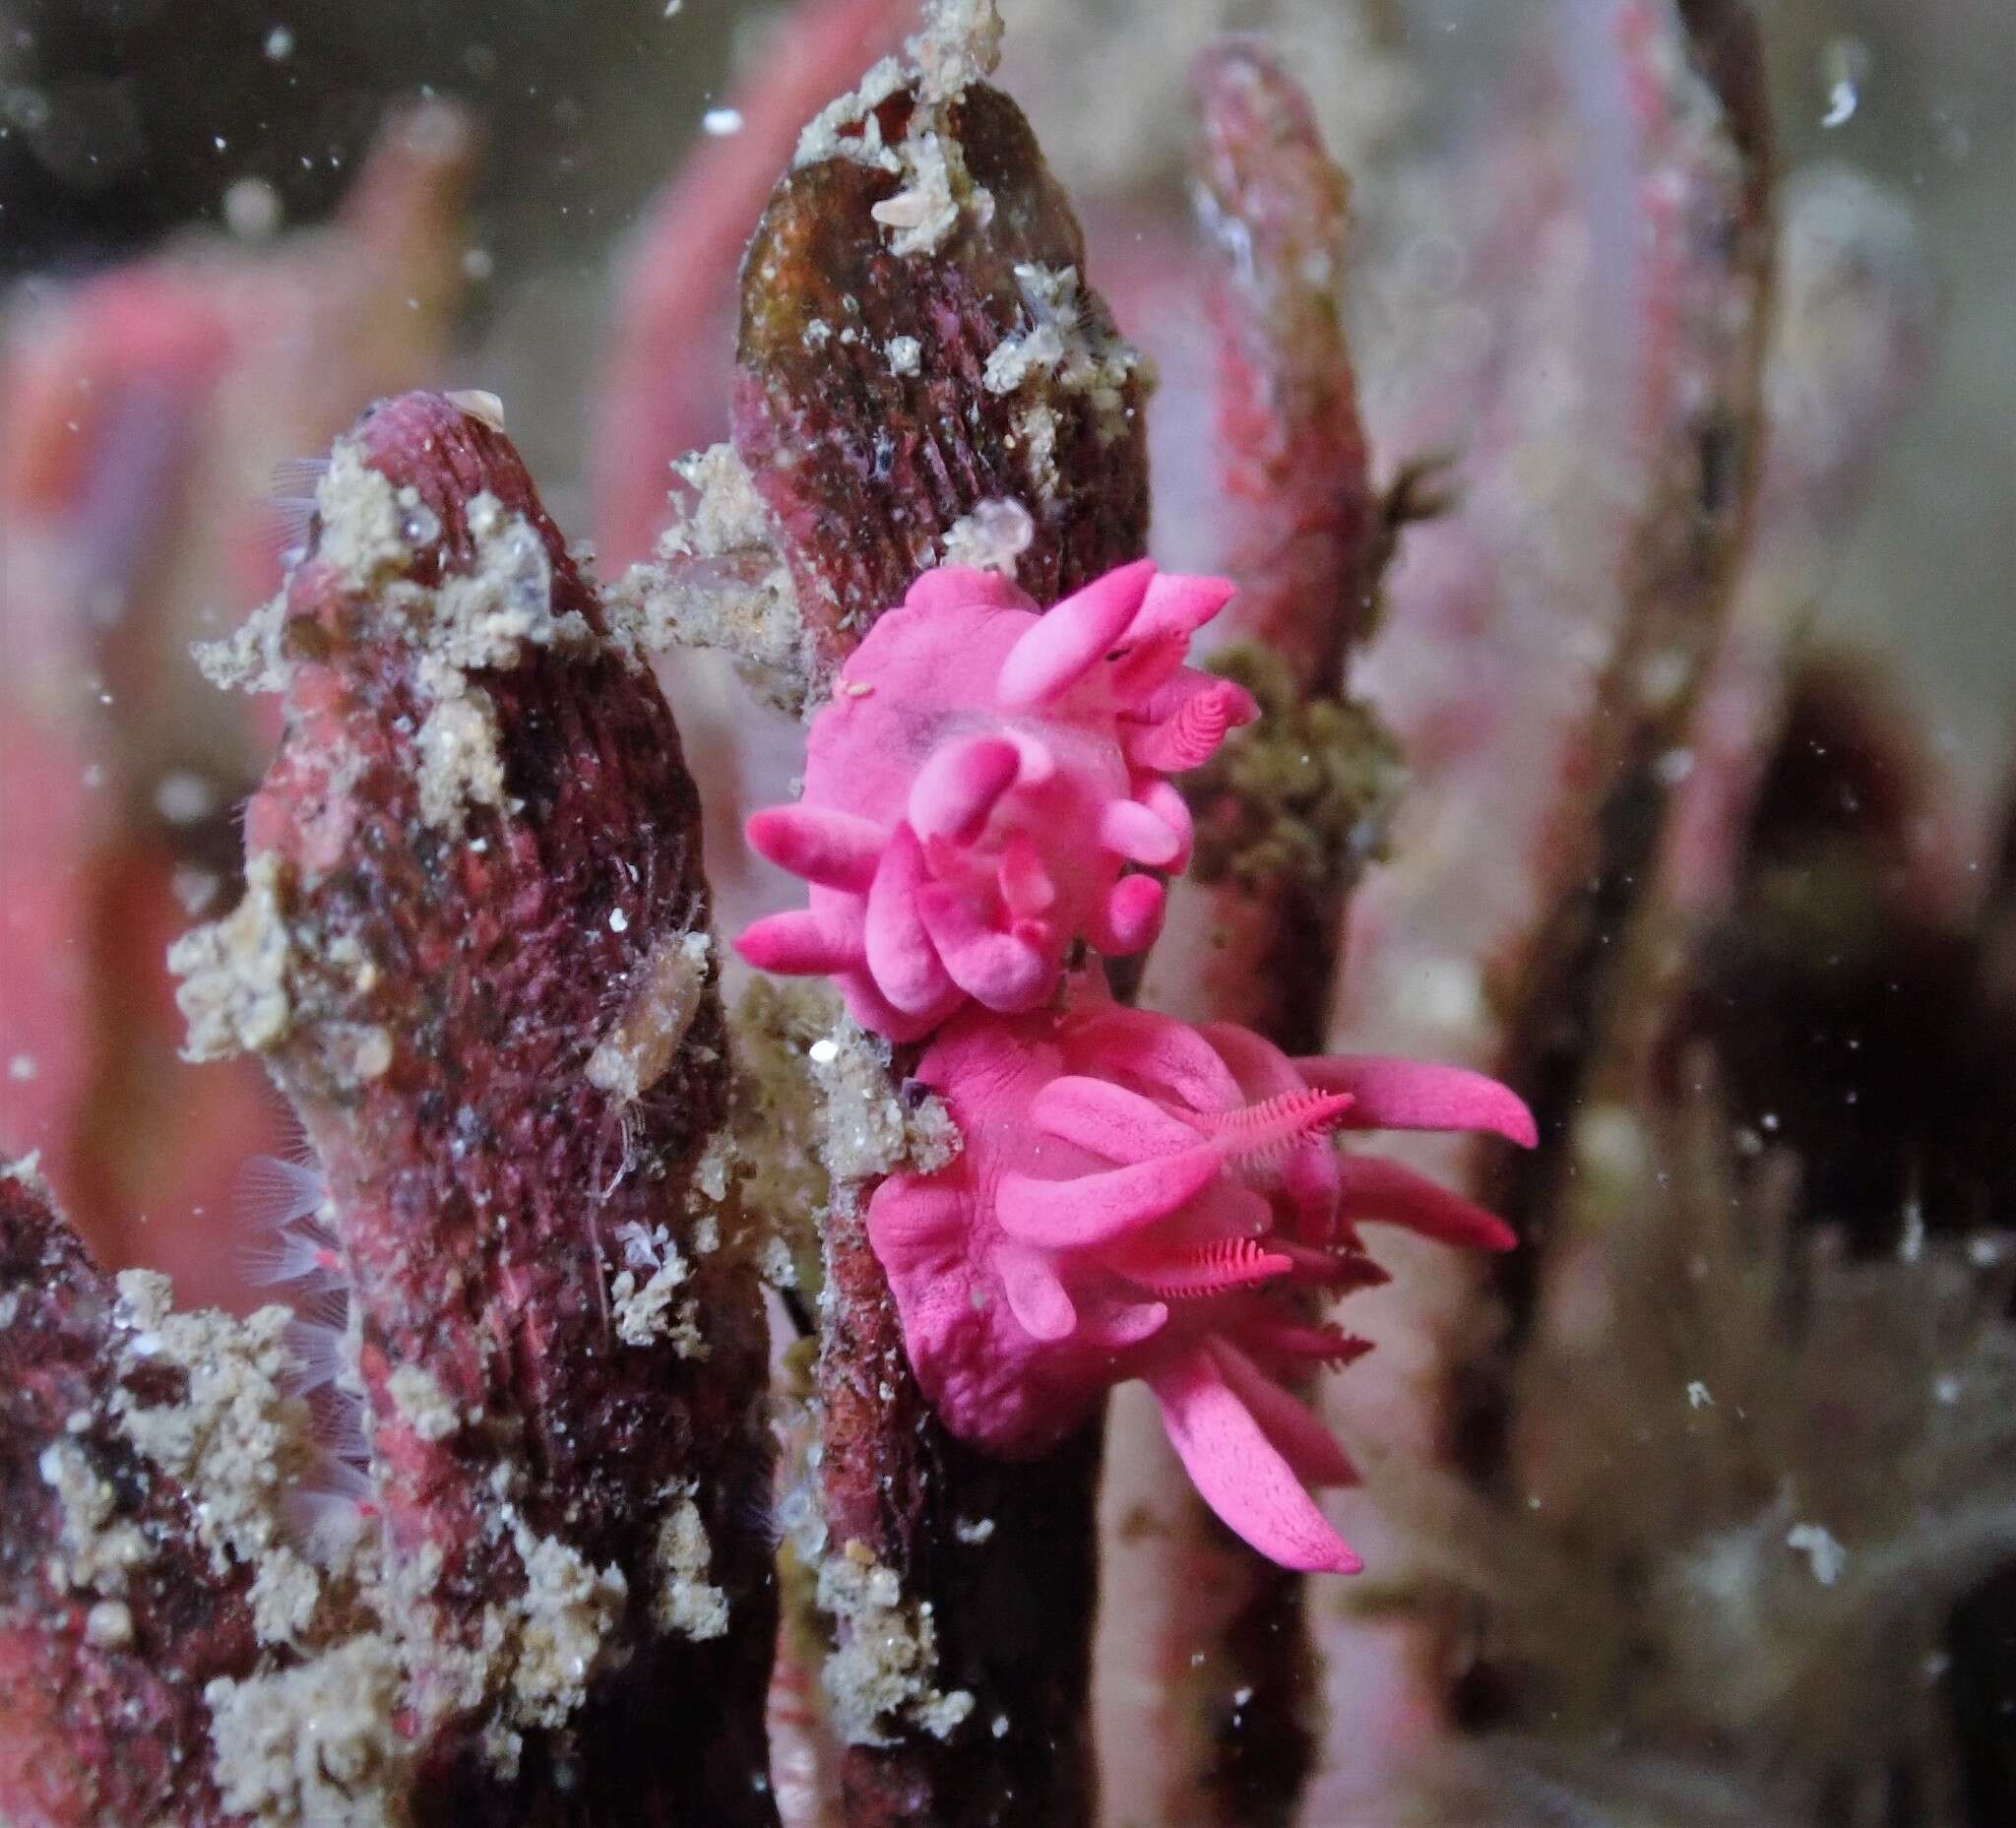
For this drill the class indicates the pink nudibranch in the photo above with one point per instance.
(976, 785)
(1132, 1196)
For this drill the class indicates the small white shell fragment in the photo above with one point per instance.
(479, 405)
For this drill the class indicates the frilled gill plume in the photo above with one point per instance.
(979, 780)
(1133, 1199)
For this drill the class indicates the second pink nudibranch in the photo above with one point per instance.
(979, 782)
(1133, 1199)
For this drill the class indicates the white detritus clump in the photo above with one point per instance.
(847, 127)
(1060, 343)
(973, 1533)
(27, 1171)
(234, 971)
(1038, 430)
(905, 355)
(992, 537)
(320, 1741)
(483, 619)
(936, 188)
(240, 989)
(459, 757)
(363, 537)
(959, 44)
(249, 658)
(563, 1625)
(94, 1554)
(316, 1742)
(235, 1442)
(719, 580)
(667, 990)
(712, 1174)
(364, 527)
(1038, 350)
(421, 1403)
(360, 542)
(865, 1128)
(487, 616)
(887, 1657)
(931, 1138)
(644, 1311)
(686, 1601)
(860, 1120)
(536, 1653)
